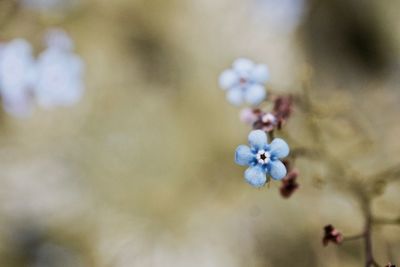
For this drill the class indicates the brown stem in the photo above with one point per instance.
(369, 254)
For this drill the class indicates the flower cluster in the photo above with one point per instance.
(54, 78)
(331, 234)
(245, 83)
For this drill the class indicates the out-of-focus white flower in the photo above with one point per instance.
(48, 5)
(281, 16)
(59, 78)
(16, 68)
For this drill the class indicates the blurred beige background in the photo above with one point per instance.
(141, 171)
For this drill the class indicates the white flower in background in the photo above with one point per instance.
(55, 78)
(16, 67)
(245, 82)
(48, 5)
(59, 78)
(280, 16)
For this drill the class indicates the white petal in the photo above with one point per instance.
(243, 66)
(235, 96)
(260, 74)
(228, 79)
(255, 94)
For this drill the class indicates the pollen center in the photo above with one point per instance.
(263, 157)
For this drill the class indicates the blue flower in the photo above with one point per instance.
(245, 82)
(262, 158)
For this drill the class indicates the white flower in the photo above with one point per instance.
(48, 5)
(245, 82)
(16, 67)
(59, 80)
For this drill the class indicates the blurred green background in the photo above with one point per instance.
(141, 171)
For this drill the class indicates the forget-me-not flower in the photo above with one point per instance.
(245, 82)
(16, 68)
(59, 75)
(262, 158)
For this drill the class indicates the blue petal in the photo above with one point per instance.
(235, 96)
(258, 139)
(243, 155)
(277, 170)
(228, 79)
(255, 176)
(255, 94)
(279, 148)
(260, 73)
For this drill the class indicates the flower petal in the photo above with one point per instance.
(277, 170)
(260, 73)
(279, 148)
(255, 176)
(255, 94)
(243, 66)
(235, 96)
(228, 79)
(243, 155)
(258, 139)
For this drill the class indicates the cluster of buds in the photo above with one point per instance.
(269, 121)
(331, 234)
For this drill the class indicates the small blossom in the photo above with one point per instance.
(59, 78)
(283, 107)
(266, 122)
(249, 115)
(262, 158)
(390, 265)
(331, 235)
(245, 82)
(289, 184)
(16, 68)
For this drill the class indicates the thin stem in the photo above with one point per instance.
(385, 221)
(353, 237)
(369, 254)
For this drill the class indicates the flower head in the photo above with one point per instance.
(390, 265)
(262, 158)
(59, 79)
(331, 235)
(244, 82)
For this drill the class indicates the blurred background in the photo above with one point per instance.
(141, 173)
